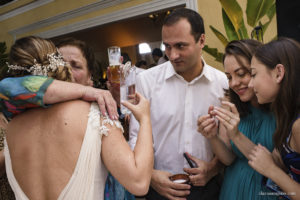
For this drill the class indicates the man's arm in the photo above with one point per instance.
(19, 94)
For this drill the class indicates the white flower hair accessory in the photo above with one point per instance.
(55, 60)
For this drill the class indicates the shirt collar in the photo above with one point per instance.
(170, 72)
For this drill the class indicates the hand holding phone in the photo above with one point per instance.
(192, 164)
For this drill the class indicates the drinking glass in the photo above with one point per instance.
(127, 84)
(114, 55)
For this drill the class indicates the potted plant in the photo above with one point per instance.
(234, 24)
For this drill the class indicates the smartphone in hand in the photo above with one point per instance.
(192, 164)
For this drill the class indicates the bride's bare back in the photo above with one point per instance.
(46, 145)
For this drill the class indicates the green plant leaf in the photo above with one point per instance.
(214, 52)
(229, 28)
(219, 35)
(271, 12)
(256, 9)
(232, 34)
(234, 13)
(243, 33)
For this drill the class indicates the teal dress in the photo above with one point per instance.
(241, 182)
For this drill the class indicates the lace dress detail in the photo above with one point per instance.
(95, 116)
(89, 176)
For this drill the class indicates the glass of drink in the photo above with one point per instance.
(127, 84)
(180, 178)
(114, 55)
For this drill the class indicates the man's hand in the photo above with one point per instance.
(204, 172)
(161, 183)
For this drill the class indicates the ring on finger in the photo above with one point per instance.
(229, 119)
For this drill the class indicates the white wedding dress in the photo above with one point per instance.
(88, 179)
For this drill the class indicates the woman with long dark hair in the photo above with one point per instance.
(243, 123)
(275, 71)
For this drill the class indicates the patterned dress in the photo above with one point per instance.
(291, 160)
(19, 94)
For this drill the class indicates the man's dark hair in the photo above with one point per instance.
(126, 57)
(157, 52)
(140, 63)
(195, 20)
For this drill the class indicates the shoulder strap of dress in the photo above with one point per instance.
(100, 121)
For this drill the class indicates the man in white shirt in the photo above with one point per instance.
(180, 91)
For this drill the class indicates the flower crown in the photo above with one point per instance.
(55, 60)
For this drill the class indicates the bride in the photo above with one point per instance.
(64, 151)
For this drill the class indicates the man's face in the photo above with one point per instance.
(181, 48)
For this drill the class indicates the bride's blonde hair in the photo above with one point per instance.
(33, 55)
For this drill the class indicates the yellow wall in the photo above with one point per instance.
(211, 11)
(52, 9)
(14, 5)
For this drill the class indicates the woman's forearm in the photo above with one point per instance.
(244, 144)
(143, 153)
(132, 169)
(60, 91)
(224, 154)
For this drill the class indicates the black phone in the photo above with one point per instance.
(191, 163)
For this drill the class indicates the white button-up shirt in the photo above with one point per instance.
(175, 107)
